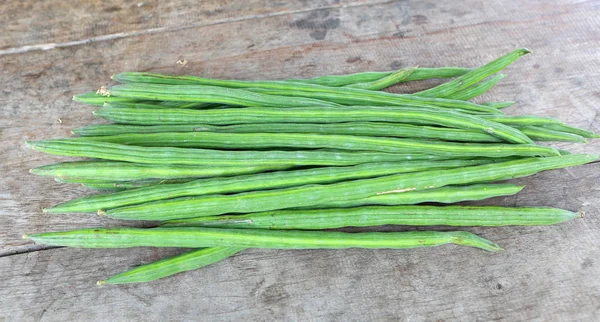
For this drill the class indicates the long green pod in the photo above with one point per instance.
(448, 194)
(169, 266)
(521, 120)
(125, 185)
(104, 187)
(282, 94)
(145, 104)
(539, 133)
(210, 94)
(152, 104)
(387, 215)
(124, 171)
(227, 141)
(382, 129)
(379, 98)
(474, 76)
(176, 104)
(168, 155)
(93, 98)
(309, 195)
(255, 238)
(260, 181)
(499, 105)
(393, 78)
(405, 115)
(477, 89)
(121, 185)
(420, 73)
(573, 130)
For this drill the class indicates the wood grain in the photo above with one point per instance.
(546, 273)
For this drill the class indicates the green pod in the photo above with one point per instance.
(93, 98)
(104, 187)
(393, 78)
(406, 115)
(260, 181)
(175, 104)
(166, 104)
(145, 105)
(124, 171)
(474, 76)
(329, 80)
(521, 120)
(381, 129)
(380, 98)
(101, 184)
(168, 155)
(255, 238)
(477, 89)
(417, 75)
(570, 129)
(159, 105)
(539, 133)
(260, 141)
(316, 219)
(169, 266)
(499, 105)
(349, 80)
(282, 94)
(210, 94)
(449, 194)
(310, 195)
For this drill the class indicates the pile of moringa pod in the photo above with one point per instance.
(226, 165)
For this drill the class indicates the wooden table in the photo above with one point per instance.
(50, 50)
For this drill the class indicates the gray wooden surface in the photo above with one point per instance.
(50, 50)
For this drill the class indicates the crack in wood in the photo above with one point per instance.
(28, 248)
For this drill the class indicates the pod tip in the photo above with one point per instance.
(25, 236)
(101, 212)
(581, 214)
(101, 283)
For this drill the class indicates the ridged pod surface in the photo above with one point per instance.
(255, 238)
(387, 215)
(168, 155)
(310, 195)
(260, 141)
(259, 181)
(406, 115)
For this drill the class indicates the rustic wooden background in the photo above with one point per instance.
(50, 50)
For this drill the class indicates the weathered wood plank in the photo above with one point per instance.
(546, 272)
(43, 25)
